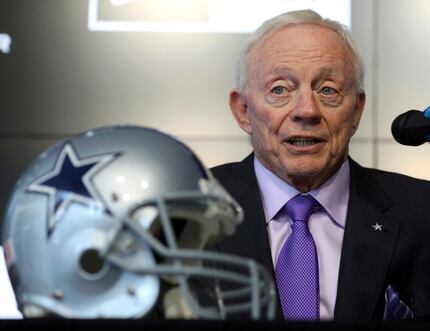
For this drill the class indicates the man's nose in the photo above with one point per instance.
(306, 108)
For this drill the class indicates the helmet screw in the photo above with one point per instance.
(131, 291)
(58, 295)
(115, 197)
(127, 245)
(130, 246)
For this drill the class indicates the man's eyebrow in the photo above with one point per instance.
(329, 73)
(279, 72)
(282, 71)
(324, 72)
(321, 73)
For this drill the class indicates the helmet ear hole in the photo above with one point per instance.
(91, 263)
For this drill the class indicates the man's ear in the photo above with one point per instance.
(359, 107)
(239, 109)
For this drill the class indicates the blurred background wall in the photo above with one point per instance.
(59, 79)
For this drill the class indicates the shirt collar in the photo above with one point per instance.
(333, 195)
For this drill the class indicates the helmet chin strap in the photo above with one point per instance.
(175, 306)
(30, 311)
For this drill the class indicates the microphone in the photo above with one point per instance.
(412, 128)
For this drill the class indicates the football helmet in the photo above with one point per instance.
(116, 223)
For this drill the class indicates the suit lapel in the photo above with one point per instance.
(367, 248)
(250, 239)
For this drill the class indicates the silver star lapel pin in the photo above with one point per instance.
(377, 227)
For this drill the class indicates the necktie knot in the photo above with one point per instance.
(300, 207)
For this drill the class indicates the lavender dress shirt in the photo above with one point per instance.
(327, 225)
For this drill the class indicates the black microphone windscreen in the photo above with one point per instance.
(411, 128)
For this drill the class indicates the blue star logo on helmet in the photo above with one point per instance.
(70, 181)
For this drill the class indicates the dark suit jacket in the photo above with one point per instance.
(399, 255)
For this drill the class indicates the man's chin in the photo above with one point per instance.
(305, 168)
(305, 175)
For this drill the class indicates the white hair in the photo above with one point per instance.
(296, 18)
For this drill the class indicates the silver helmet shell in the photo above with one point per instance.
(100, 224)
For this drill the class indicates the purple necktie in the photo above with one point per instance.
(297, 267)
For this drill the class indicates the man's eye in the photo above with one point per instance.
(278, 90)
(326, 90)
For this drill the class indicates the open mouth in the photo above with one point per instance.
(304, 142)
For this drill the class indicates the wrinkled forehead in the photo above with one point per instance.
(301, 43)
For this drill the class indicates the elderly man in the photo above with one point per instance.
(344, 242)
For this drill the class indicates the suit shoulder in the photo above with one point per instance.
(226, 170)
(236, 177)
(394, 176)
(229, 175)
(399, 183)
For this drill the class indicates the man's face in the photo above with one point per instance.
(300, 106)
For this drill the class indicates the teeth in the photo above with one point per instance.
(303, 142)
